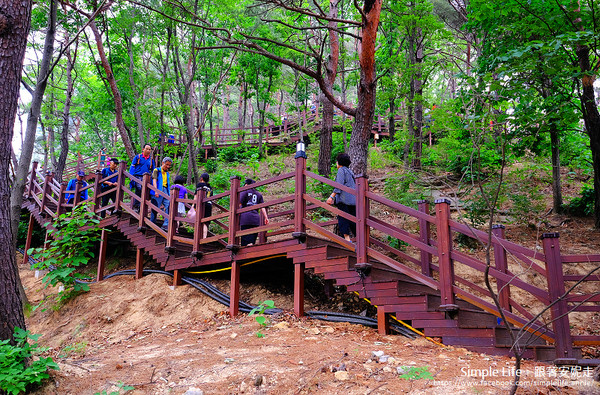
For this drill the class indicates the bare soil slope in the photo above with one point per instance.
(163, 341)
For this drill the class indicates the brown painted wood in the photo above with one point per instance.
(424, 237)
(383, 321)
(556, 289)
(102, 254)
(176, 278)
(234, 293)
(29, 235)
(234, 219)
(139, 263)
(299, 289)
(145, 196)
(362, 213)
(500, 260)
(446, 268)
(299, 192)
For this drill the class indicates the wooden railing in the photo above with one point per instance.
(421, 247)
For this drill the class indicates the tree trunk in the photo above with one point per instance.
(15, 17)
(591, 118)
(326, 139)
(365, 111)
(115, 92)
(136, 96)
(392, 120)
(66, 116)
(18, 187)
(556, 184)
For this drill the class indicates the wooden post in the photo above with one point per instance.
(299, 289)
(102, 255)
(30, 191)
(262, 236)
(383, 322)
(171, 223)
(97, 191)
(424, 237)
(139, 263)
(556, 291)
(299, 192)
(176, 278)
(47, 182)
(61, 199)
(28, 241)
(198, 225)
(234, 220)
(501, 262)
(77, 196)
(442, 209)
(362, 213)
(145, 195)
(234, 290)
(120, 182)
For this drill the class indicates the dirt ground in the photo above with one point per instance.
(160, 340)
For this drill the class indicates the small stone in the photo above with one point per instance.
(376, 354)
(229, 360)
(233, 335)
(311, 338)
(300, 362)
(194, 391)
(281, 325)
(387, 369)
(329, 329)
(403, 369)
(341, 375)
(442, 356)
(383, 358)
(314, 331)
(391, 360)
(258, 380)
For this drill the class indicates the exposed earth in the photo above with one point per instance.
(159, 340)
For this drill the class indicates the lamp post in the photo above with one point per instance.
(300, 153)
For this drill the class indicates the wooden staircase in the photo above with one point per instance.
(416, 285)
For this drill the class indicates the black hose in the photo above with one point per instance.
(216, 294)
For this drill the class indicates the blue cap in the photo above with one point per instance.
(81, 173)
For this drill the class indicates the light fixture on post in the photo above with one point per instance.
(300, 150)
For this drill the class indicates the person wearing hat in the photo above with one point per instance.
(72, 185)
(141, 164)
(251, 219)
(109, 183)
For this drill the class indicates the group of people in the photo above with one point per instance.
(161, 181)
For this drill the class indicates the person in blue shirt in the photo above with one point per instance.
(141, 164)
(161, 180)
(69, 197)
(109, 183)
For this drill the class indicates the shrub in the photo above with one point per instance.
(16, 374)
(71, 245)
(398, 189)
(583, 205)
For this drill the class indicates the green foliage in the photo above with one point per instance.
(16, 371)
(395, 147)
(398, 188)
(121, 387)
(211, 166)
(259, 314)
(238, 153)
(416, 373)
(583, 205)
(37, 236)
(70, 246)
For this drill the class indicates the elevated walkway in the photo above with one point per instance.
(409, 272)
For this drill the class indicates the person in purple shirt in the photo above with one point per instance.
(251, 219)
(183, 191)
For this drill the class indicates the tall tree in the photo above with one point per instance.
(15, 16)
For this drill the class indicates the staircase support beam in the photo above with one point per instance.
(139, 263)
(362, 213)
(102, 255)
(299, 289)
(383, 322)
(501, 263)
(29, 236)
(234, 291)
(424, 237)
